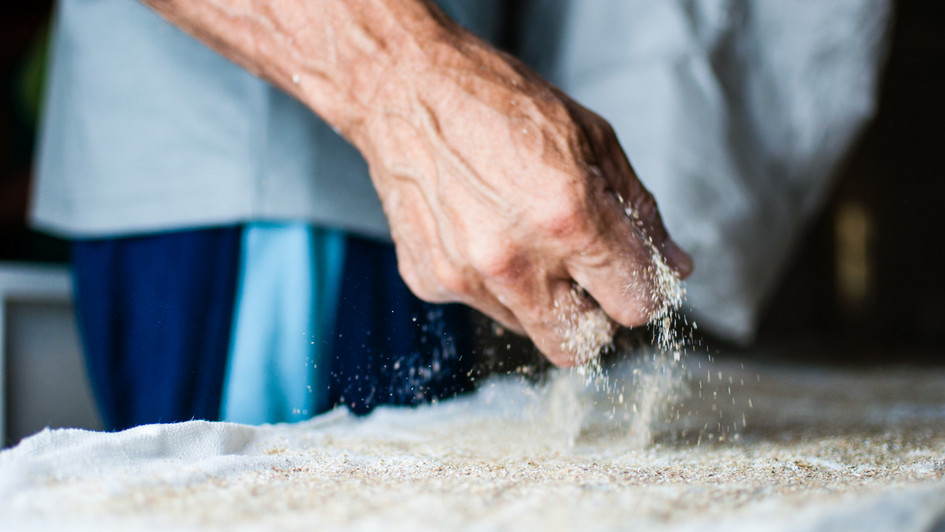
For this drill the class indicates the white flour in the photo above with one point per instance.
(642, 393)
(664, 440)
(819, 449)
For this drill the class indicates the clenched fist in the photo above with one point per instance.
(505, 194)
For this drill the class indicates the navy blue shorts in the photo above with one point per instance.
(155, 314)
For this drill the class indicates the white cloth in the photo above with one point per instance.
(865, 455)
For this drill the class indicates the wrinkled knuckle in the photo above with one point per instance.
(632, 315)
(416, 285)
(642, 299)
(605, 129)
(645, 208)
(563, 218)
(598, 127)
(420, 289)
(452, 281)
(493, 262)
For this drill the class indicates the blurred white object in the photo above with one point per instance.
(40, 359)
(735, 114)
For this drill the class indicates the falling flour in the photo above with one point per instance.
(647, 395)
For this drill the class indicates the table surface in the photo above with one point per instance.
(708, 445)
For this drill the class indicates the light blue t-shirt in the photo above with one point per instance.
(734, 113)
(145, 129)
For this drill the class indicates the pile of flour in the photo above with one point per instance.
(742, 447)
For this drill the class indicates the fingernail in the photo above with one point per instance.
(676, 258)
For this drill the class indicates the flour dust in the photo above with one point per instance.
(641, 385)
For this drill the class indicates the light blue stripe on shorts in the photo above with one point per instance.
(286, 300)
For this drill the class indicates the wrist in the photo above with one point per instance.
(381, 47)
(437, 70)
(420, 48)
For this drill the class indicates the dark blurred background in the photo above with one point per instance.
(23, 34)
(864, 286)
(866, 283)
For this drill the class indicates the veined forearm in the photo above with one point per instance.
(501, 192)
(335, 56)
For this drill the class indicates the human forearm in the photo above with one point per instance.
(501, 192)
(334, 56)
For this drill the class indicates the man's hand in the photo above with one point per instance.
(501, 192)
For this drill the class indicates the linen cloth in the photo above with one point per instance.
(821, 450)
